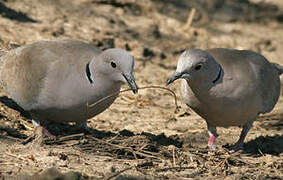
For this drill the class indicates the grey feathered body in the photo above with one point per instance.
(249, 85)
(48, 78)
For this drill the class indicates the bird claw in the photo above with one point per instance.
(83, 127)
(212, 146)
(235, 149)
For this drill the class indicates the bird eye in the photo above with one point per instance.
(198, 67)
(113, 64)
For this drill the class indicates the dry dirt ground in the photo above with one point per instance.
(141, 136)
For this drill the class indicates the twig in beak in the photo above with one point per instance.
(125, 90)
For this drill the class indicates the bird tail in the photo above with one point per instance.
(278, 67)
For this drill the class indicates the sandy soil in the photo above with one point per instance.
(141, 136)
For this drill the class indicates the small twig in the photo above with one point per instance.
(117, 146)
(222, 162)
(190, 18)
(172, 147)
(260, 152)
(226, 159)
(125, 90)
(143, 153)
(69, 137)
(15, 156)
(148, 152)
(141, 148)
(12, 155)
(118, 173)
(109, 140)
(174, 159)
(8, 163)
(171, 169)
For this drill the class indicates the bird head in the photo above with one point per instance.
(118, 65)
(196, 66)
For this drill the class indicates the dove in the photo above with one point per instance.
(227, 87)
(55, 80)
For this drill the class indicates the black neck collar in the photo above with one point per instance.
(218, 76)
(88, 74)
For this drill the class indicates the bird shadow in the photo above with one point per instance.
(262, 145)
(14, 15)
(10, 134)
(13, 105)
(61, 130)
(122, 145)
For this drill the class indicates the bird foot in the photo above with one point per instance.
(235, 149)
(87, 130)
(212, 146)
(83, 127)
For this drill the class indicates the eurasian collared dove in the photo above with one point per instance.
(228, 87)
(54, 80)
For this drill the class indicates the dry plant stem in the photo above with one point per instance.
(70, 137)
(190, 18)
(109, 140)
(261, 152)
(174, 160)
(118, 173)
(143, 153)
(117, 146)
(226, 159)
(125, 90)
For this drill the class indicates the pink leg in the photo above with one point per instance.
(212, 137)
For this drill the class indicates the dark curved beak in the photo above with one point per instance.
(175, 76)
(131, 82)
